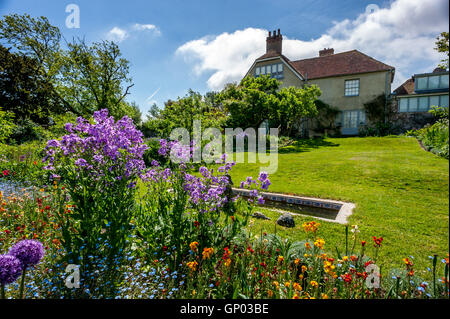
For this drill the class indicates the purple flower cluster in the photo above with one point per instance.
(262, 181)
(29, 252)
(105, 143)
(10, 269)
(20, 256)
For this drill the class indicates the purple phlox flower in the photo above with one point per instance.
(28, 251)
(265, 184)
(10, 269)
(261, 200)
(155, 163)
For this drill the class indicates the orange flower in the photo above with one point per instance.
(313, 283)
(207, 252)
(297, 261)
(311, 226)
(228, 262)
(297, 286)
(280, 259)
(192, 265)
(193, 246)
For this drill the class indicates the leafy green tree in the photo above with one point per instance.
(23, 91)
(182, 113)
(442, 46)
(84, 77)
(254, 100)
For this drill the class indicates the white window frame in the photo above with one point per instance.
(350, 89)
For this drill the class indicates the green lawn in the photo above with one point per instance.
(400, 191)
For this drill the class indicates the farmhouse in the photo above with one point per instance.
(347, 79)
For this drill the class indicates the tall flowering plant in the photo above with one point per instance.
(184, 205)
(99, 162)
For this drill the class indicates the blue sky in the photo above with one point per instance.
(177, 45)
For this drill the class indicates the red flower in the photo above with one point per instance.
(5, 172)
(363, 243)
(347, 278)
(377, 241)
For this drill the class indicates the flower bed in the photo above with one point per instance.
(130, 237)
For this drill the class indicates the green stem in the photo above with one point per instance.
(22, 283)
(2, 292)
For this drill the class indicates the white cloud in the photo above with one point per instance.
(401, 35)
(120, 34)
(117, 34)
(147, 27)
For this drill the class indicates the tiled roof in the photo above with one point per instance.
(406, 88)
(345, 63)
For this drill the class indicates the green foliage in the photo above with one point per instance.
(24, 163)
(326, 117)
(442, 46)
(182, 113)
(380, 114)
(6, 125)
(24, 91)
(435, 137)
(79, 78)
(256, 99)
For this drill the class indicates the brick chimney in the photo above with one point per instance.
(325, 52)
(274, 42)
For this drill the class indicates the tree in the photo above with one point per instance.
(257, 99)
(84, 77)
(24, 91)
(182, 113)
(442, 46)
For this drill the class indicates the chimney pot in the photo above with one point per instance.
(326, 52)
(274, 42)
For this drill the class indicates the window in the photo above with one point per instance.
(444, 81)
(412, 104)
(422, 103)
(444, 101)
(422, 83)
(403, 105)
(275, 70)
(433, 82)
(352, 119)
(351, 88)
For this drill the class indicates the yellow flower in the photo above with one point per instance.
(324, 296)
(345, 258)
(280, 259)
(311, 226)
(192, 265)
(269, 293)
(297, 286)
(297, 261)
(207, 252)
(193, 246)
(193, 292)
(313, 283)
(228, 262)
(319, 243)
(304, 268)
(276, 284)
(287, 284)
(296, 296)
(300, 277)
